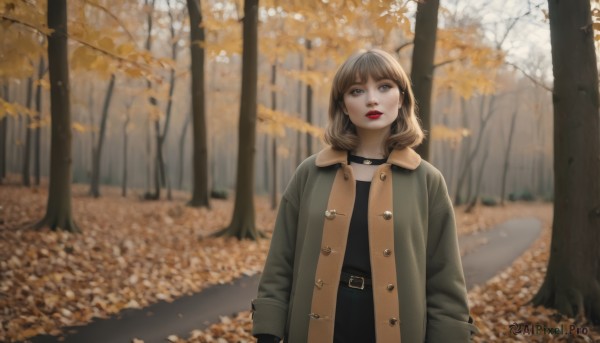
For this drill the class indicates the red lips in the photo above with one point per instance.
(373, 114)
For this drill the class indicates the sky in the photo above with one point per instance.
(528, 41)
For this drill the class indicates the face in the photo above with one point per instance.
(372, 105)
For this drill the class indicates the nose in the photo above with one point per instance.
(372, 98)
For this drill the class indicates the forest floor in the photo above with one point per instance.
(133, 253)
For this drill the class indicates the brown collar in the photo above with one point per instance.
(406, 158)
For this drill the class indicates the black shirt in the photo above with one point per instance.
(356, 259)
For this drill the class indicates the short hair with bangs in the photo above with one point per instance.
(405, 131)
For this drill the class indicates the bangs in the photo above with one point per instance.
(370, 64)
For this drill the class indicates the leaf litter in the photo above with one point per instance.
(134, 253)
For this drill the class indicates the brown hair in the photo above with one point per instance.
(378, 64)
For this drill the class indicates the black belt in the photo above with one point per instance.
(354, 281)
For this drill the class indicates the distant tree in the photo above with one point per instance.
(572, 282)
(3, 137)
(422, 64)
(97, 148)
(274, 178)
(58, 209)
(126, 122)
(309, 104)
(200, 193)
(506, 165)
(243, 222)
(38, 131)
(182, 141)
(27, 148)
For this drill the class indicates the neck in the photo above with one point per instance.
(370, 144)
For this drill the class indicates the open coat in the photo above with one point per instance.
(418, 284)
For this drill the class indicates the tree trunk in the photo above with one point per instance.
(513, 120)
(309, 106)
(3, 137)
(38, 129)
(464, 153)
(299, 156)
(125, 147)
(483, 121)
(26, 153)
(572, 284)
(153, 104)
(475, 198)
(200, 193)
(97, 156)
(58, 210)
(161, 136)
(243, 222)
(274, 143)
(184, 131)
(422, 65)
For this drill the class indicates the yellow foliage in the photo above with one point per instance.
(313, 78)
(446, 134)
(80, 127)
(14, 109)
(44, 83)
(273, 122)
(473, 64)
(106, 43)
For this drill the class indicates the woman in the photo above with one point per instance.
(364, 247)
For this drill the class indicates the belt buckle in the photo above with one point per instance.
(356, 282)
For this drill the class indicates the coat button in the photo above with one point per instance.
(319, 283)
(326, 251)
(390, 287)
(387, 253)
(314, 316)
(393, 321)
(387, 215)
(382, 176)
(330, 214)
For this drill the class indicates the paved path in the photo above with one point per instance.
(485, 254)
(489, 252)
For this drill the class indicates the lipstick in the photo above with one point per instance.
(373, 114)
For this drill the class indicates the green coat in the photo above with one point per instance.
(418, 284)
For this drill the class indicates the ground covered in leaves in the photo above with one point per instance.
(133, 253)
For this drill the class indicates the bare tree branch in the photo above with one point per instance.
(533, 79)
(47, 32)
(44, 31)
(452, 60)
(402, 46)
(110, 14)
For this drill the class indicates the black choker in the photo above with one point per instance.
(367, 161)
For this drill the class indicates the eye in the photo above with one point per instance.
(355, 91)
(386, 87)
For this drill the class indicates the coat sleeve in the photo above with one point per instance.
(448, 317)
(270, 308)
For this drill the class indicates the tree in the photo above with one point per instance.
(309, 103)
(125, 146)
(243, 222)
(26, 153)
(38, 131)
(58, 210)
(3, 135)
(572, 284)
(274, 178)
(422, 64)
(200, 192)
(511, 133)
(469, 155)
(97, 149)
